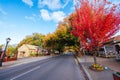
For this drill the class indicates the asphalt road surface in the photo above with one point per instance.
(61, 67)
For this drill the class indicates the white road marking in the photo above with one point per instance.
(25, 73)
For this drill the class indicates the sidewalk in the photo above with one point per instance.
(22, 61)
(111, 64)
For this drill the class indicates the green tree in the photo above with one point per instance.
(1, 46)
(11, 51)
(35, 39)
(60, 38)
(49, 42)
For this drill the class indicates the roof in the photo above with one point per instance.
(31, 46)
(116, 38)
(113, 40)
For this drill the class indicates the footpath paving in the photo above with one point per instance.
(110, 63)
(22, 61)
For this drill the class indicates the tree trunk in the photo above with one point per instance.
(95, 60)
(94, 57)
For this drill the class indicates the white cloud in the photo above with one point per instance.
(28, 2)
(50, 3)
(30, 18)
(55, 16)
(58, 16)
(53, 4)
(2, 11)
(45, 15)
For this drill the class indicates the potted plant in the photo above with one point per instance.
(116, 76)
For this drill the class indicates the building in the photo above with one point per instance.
(26, 50)
(110, 48)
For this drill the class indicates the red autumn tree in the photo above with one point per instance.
(95, 22)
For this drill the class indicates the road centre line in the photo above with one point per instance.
(25, 73)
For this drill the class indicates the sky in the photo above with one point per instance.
(20, 18)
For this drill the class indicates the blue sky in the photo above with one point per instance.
(20, 18)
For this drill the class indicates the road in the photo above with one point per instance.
(61, 67)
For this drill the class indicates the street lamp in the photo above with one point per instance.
(7, 41)
(4, 53)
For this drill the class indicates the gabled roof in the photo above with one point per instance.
(31, 46)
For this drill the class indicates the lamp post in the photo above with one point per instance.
(4, 53)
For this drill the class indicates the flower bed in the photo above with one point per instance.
(97, 67)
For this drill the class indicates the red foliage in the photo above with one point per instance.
(95, 22)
